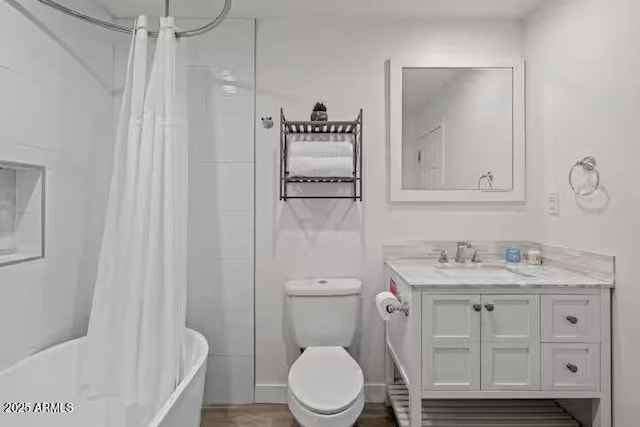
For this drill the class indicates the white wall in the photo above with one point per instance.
(55, 81)
(584, 86)
(342, 63)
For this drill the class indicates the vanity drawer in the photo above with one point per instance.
(571, 318)
(570, 367)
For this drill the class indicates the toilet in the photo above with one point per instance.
(325, 385)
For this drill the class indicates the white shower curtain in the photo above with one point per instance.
(134, 347)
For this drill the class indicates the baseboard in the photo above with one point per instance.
(271, 393)
(277, 393)
(375, 393)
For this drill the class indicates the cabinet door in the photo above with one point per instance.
(511, 319)
(451, 342)
(510, 342)
(510, 366)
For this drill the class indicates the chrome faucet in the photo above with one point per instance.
(462, 253)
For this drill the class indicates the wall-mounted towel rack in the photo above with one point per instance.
(310, 132)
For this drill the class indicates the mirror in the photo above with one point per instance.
(458, 133)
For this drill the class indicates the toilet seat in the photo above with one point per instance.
(326, 380)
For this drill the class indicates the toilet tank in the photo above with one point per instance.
(323, 312)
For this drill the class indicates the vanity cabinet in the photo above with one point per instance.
(459, 342)
(480, 342)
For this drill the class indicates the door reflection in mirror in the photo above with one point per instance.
(457, 124)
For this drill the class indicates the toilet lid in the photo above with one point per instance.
(326, 380)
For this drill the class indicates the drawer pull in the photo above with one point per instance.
(489, 307)
(573, 368)
(572, 319)
(477, 307)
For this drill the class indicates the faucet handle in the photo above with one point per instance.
(444, 258)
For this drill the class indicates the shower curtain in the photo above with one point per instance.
(134, 347)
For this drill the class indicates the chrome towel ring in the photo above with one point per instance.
(589, 164)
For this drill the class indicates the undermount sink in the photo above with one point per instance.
(479, 271)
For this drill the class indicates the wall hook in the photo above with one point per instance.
(267, 122)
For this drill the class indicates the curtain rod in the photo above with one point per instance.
(120, 28)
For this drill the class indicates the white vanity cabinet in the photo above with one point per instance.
(508, 342)
(480, 342)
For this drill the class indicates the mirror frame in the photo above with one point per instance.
(394, 134)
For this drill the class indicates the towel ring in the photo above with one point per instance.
(589, 164)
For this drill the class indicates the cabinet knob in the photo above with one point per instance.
(489, 307)
(573, 368)
(477, 307)
(572, 319)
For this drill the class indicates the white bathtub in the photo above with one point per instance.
(51, 377)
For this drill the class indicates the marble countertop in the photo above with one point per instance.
(426, 272)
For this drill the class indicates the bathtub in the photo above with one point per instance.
(47, 381)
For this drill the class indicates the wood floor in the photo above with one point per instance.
(375, 415)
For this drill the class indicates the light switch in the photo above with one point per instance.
(553, 203)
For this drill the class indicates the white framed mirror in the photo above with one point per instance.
(457, 131)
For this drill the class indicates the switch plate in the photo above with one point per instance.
(553, 203)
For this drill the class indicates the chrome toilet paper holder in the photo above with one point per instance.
(394, 308)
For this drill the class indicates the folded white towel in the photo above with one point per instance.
(321, 145)
(341, 167)
(321, 149)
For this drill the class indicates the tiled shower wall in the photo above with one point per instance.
(55, 111)
(221, 206)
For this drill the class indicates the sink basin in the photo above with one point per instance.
(479, 271)
(422, 271)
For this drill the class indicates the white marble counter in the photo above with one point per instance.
(425, 272)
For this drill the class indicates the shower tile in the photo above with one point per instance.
(229, 380)
(55, 80)
(220, 303)
(221, 104)
(221, 235)
(21, 311)
(220, 114)
(221, 129)
(221, 74)
(221, 186)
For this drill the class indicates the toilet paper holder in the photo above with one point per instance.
(394, 308)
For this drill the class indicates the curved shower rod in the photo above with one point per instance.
(115, 27)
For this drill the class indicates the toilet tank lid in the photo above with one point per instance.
(323, 287)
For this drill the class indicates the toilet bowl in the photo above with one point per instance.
(326, 388)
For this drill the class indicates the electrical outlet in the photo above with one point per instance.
(553, 203)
